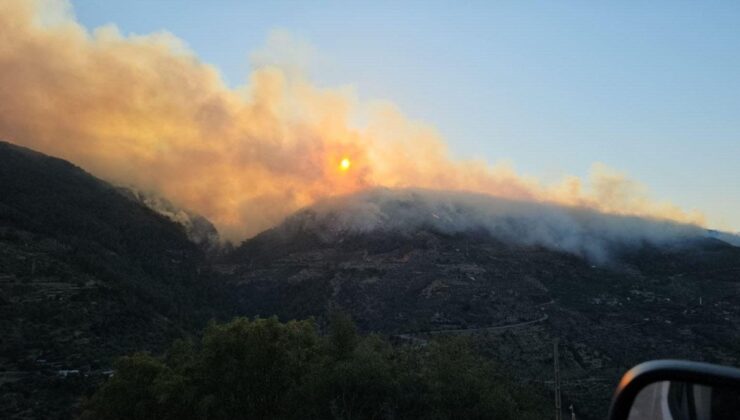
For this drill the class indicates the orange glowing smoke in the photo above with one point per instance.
(145, 111)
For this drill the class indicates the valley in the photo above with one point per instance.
(89, 273)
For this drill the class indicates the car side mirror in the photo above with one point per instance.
(677, 390)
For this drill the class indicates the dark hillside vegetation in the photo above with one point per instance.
(86, 274)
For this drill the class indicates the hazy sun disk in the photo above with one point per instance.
(344, 164)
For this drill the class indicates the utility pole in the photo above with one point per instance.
(558, 401)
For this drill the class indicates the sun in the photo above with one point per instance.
(345, 164)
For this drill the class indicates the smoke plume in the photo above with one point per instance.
(144, 111)
(593, 235)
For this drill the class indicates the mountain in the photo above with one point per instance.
(91, 271)
(614, 291)
(86, 274)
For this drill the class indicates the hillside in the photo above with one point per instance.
(89, 272)
(86, 275)
(677, 297)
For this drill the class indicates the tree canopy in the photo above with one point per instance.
(265, 369)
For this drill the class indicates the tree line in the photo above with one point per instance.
(266, 369)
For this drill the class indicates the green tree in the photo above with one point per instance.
(342, 334)
(262, 368)
(246, 369)
(130, 393)
(359, 384)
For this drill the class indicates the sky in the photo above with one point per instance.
(648, 88)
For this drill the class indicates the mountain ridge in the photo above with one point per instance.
(650, 299)
(86, 274)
